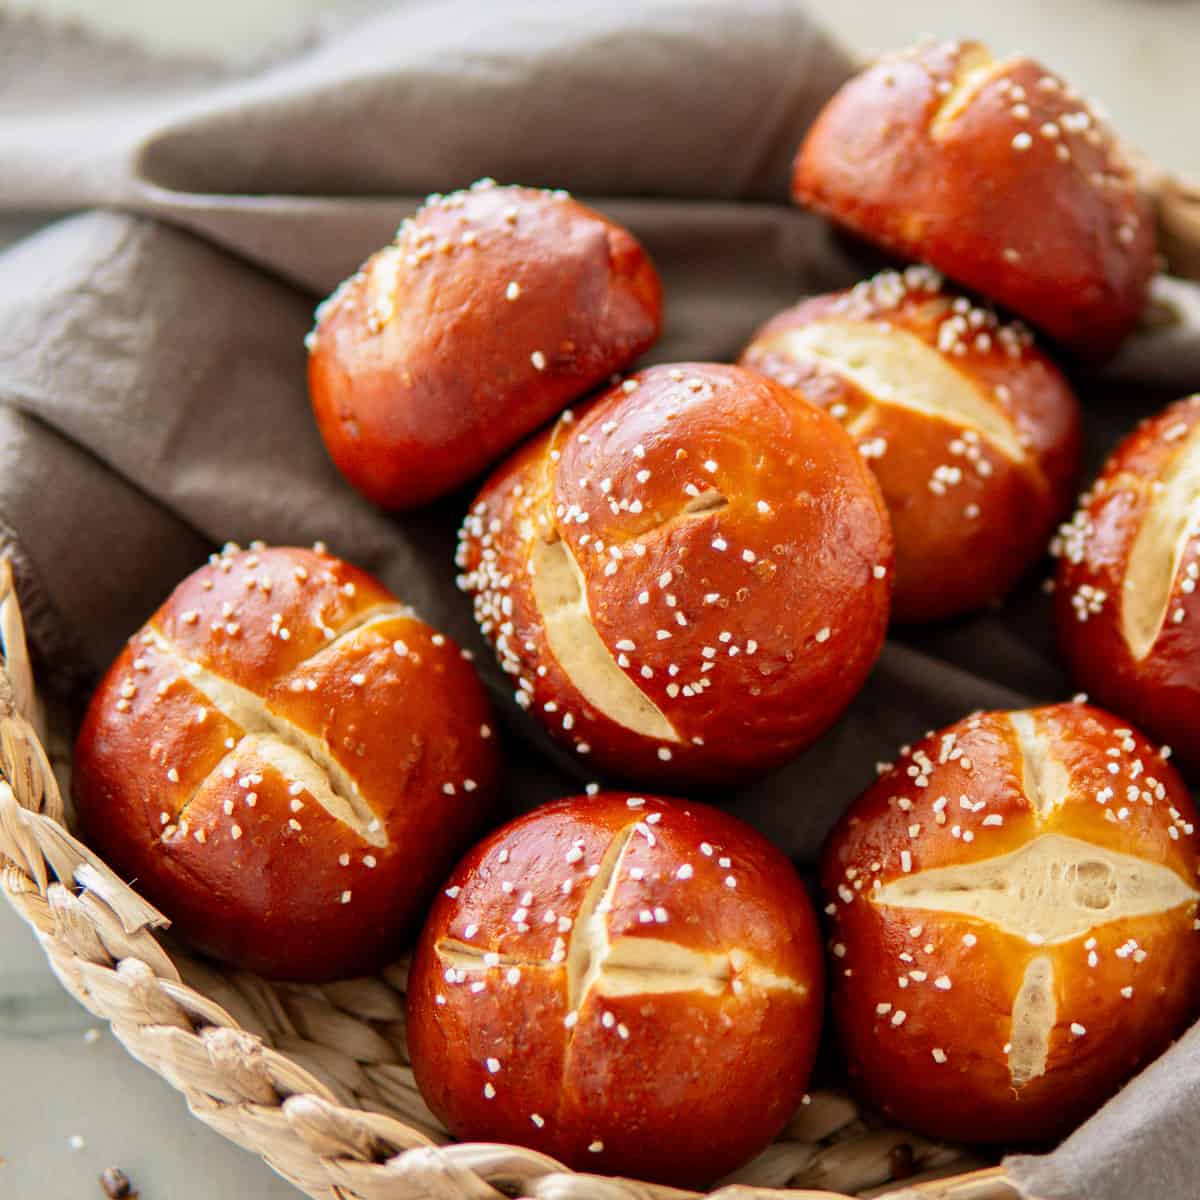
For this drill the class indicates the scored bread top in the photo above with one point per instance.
(577, 958)
(689, 578)
(996, 172)
(1129, 565)
(974, 435)
(270, 750)
(1034, 874)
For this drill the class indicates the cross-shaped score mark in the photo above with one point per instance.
(897, 369)
(597, 965)
(294, 752)
(1052, 890)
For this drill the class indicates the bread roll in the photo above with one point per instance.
(492, 310)
(995, 172)
(689, 579)
(1129, 562)
(1012, 920)
(286, 760)
(972, 432)
(632, 985)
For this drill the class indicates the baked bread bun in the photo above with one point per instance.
(286, 761)
(1012, 917)
(1127, 604)
(632, 985)
(973, 434)
(995, 172)
(492, 310)
(689, 580)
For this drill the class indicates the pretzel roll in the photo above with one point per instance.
(690, 580)
(492, 310)
(1129, 562)
(999, 174)
(1012, 908)
(285, 760)
(632, 985)
(973, 434)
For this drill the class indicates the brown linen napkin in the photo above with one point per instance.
(1141, 1146)
(152, 395)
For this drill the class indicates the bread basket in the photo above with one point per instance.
(315, 1079)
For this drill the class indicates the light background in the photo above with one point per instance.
(1138, 57)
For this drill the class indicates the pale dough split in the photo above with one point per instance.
(1046, 780)
(1158, 549)
(589, 946)
(560, 593)
(1034, 1013)
(280, 743)
(976, 68)
(1053, 889)
(896, 367)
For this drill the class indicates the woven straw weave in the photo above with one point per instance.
(316, 1080)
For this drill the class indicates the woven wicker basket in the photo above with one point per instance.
(316, 1079)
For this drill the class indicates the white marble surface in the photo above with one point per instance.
(61, 1084)
(1137, 56)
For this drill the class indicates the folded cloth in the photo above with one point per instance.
(152, 390)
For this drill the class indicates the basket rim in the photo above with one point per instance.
(101, 940)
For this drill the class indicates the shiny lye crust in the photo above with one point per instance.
(492, 310)
(1128, 612)
(286, 760)
(973, 434)
(1012, 918)
(995, 172)
(630, 984)
(689, 579)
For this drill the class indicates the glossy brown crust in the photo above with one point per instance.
(1160, 691)
(968, 517)
(957, 996)
(1019, 193)
(492, 310)
(679, 1086)
(221, 830)
(750, 627)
